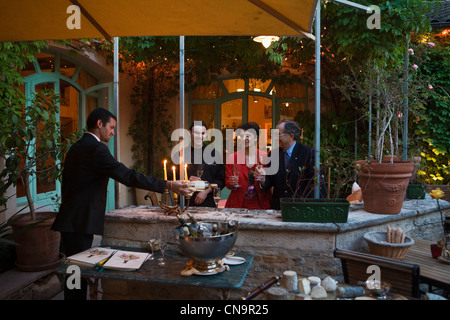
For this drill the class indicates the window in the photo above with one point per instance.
(227, 103)
(80, 93)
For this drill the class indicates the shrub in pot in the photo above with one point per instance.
(32, 148)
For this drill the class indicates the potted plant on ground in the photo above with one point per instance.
(416, 190)
(32, 148)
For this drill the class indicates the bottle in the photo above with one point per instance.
(203, 231)
(199, 185)
(215, 229)
(231, 226)
(186, 232)
(194, 222)
(192, 231)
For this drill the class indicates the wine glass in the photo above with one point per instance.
(163, 244)
(236, 174)
(199, 170)
(260, 166)
(217, 195)
(151, 257)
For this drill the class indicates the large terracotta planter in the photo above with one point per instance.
(383, 185)
(37, 246)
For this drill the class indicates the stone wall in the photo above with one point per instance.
(277, 246)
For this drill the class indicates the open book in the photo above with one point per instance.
(118, 259)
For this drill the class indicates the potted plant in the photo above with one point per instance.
(32, 147)
(373, 71)
(384, 181)
(331, 208)
(416, 190)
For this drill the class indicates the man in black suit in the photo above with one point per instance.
(87, 168)
(295, 176)
(213, 171)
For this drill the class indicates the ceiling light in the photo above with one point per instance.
(266, 40)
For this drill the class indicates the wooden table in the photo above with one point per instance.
(150, 272)
(432, 271)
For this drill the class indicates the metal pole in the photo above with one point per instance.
(405, 112)
(317, 99)
(116, 113)
(182, 113)
(370, 126)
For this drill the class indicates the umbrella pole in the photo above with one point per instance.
(182, 115)
(116, 112)
(317, 87)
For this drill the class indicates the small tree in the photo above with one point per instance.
(31, 144)
(13, 57)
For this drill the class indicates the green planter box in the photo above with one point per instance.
(415, 191)
(314, 210)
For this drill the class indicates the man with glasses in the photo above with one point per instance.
(295, 176)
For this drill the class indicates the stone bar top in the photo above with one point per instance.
(272, 220)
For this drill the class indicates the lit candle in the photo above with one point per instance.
(165, 169)
(185, 172)
(174, 173)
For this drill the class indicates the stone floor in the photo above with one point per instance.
(19, 285)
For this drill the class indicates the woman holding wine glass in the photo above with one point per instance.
(240, 177)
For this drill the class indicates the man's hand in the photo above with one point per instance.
(179, 187)
(201, 196)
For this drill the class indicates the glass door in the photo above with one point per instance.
(41, 186)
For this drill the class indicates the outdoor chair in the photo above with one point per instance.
(403, 276)
(153, 198)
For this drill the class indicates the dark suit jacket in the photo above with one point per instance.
(295, 180)
(87, 168)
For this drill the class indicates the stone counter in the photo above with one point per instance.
(277, 246)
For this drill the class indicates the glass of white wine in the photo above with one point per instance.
(259, 166)
(217, 192)
(236, 174)
(200, 170)
(163, 245)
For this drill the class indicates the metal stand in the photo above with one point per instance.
(170, 205)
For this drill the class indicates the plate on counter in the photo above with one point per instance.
(233, 260)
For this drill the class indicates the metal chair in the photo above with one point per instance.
(403, 276)
(153, 198)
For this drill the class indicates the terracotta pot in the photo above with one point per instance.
(383, 185)
(37, 245)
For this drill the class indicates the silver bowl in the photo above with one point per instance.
(206, 251)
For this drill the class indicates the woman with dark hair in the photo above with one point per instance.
(240, 170)
(203, 169)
